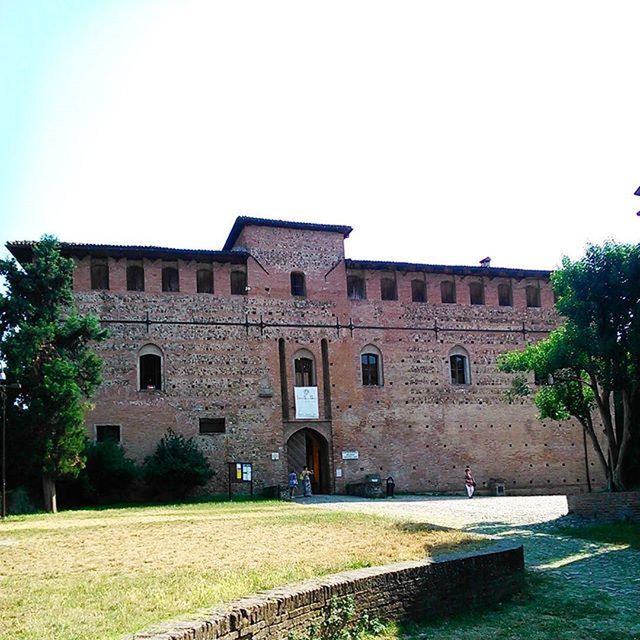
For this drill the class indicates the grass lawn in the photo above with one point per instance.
(103, 573)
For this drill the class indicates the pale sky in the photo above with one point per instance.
(443, 132)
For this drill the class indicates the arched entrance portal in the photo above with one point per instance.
(308, 447)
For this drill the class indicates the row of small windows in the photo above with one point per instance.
(170, 278)
(113, 432)
(150, 364)
(356, 290)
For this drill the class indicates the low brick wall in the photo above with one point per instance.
(402, 591)
(606, 506)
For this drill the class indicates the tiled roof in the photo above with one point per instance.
(22, 251)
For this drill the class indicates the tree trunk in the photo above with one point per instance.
(49, 491)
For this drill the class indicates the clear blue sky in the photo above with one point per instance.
(442, 132)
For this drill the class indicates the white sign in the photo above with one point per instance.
(306, 402)
(338, 473)
(350, 455)
(275, 456)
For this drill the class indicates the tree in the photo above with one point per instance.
(45, 345)
(590, 366)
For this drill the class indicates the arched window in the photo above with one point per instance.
(533, 296)
(99, 273)
(371, 366)
(135, 277)
(304, 369)
(298, 287)
(418, 291)
(459, 366)
(170, 281)
(476, 292)
(448, 291)
(150, 367)
(204, 280)
(356, 288)
(238, 283)
(505, 296)
(388, 290)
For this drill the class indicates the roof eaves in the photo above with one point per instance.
(447, 269)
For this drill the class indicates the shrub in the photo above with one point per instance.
(109, 472)
(19, 502)
(176, 467)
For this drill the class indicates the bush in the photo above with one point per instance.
(109, 472)
(19, 502)
(176, 467)
(106, 478)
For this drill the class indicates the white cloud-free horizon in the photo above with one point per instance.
(441, 133)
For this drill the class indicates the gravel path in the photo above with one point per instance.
(457, 512)
(530, 520)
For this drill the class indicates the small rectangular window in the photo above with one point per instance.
(448, 292)
(212, 425)
(505, 298)
(533, 296)
(204, 280)
(170, 279)
(99, 273)
(418, 291)
(297, 284)
(356, 288)
(476, 293)
(388, 290)
(135, 277)
(238, 283)
(108, 433)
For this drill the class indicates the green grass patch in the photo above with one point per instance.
(548, 609)
(102, 573)
(624, 533)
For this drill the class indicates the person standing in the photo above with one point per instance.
(293, 483)
(469, 482)
(306, 481)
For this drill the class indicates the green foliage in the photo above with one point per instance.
(45, 344)
(19, 502)
(176, 466)
(340, 623)
(109, 472)
(592, 362)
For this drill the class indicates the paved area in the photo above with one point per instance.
(581, 565)
(458, 512)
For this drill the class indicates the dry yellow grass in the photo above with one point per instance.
(100, 574)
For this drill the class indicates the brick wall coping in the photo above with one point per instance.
(606, 506)
(404, 590)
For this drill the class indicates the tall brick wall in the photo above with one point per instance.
(221, 360)
(403, 591)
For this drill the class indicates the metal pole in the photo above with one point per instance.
(3, 387)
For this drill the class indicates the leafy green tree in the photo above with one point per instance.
(45, 345)
(176, 466)
(590, 366)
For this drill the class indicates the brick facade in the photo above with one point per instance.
(232, 357)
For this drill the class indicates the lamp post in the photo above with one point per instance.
(3, 392)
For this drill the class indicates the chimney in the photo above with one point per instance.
(485, 262)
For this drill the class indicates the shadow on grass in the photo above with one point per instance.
(545, 610)
(582, 583)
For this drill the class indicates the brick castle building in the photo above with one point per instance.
(278, 351)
